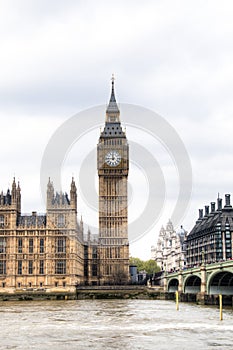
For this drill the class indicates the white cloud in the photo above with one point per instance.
(173, 57)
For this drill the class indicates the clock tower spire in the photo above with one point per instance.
(113, 167)
(112, 112)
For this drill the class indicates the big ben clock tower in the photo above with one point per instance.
(113, 167)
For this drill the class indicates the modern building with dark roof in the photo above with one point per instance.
(211, 238)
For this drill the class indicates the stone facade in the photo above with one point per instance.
(40, 252)
(170, 251)
(113, 167)
(50, 252)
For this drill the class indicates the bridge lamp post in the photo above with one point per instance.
(203, 257)
(179, 262)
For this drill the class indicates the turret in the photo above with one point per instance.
(13, 192)
(73, 194)
(50, 193)
(2, 198)
(89, 236)
(10, 205)
(61, 210)
(81, 225)
(18, 199)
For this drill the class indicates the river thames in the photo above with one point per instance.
(113, 324)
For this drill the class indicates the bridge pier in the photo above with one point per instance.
(200, 298)
(203, 279)
(188, 297)
(165, 282)
(201, 295)
(180, 285)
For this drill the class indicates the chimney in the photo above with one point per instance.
(212, 207)
(206, 210)
(227, 200)
(219, 201)
(200, 214)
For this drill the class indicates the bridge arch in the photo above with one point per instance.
(192, 284)
(220, 282)
(173, 285)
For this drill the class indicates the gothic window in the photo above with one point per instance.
(94, 253)
(61, 245)
(41, 270)
(20, 245)
(20, 267)
(60, 267)
(109, 253)
(1, 221)
(117, 252)
(41, 245)
(94, 270)
(30, 267)
(30, 245)
(2, 267)
(60, 220)
(2, 245)
(108, 270)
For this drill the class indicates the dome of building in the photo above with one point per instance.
(181, 232)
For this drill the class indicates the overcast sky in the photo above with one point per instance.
(173, 57)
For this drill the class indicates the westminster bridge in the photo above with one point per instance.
(206, 279)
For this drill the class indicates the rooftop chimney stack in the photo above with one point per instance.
(228, 200)
(206, 210)
(219, 201)
(212, 207)
(200, 214)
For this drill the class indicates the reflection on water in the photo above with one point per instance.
(113, 324)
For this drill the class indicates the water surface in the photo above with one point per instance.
(113, 324)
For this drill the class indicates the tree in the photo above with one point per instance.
(138, 262)
(150, 266)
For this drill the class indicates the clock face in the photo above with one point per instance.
(113, 158)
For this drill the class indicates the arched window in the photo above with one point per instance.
(2, 245)
(60, 220)
(1, 220)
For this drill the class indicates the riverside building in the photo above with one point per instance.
(40, 251)
(50, 252)
(170, 251)
(211, 238)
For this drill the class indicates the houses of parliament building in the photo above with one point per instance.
(50, 252)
